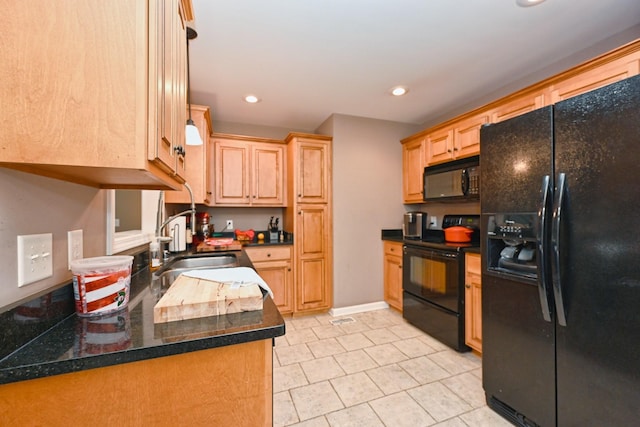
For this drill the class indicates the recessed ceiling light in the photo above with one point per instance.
(527, 3)
(399, 91)
(251, 99)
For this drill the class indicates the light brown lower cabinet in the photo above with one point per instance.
(274, 265)
(473, 301)
(393, 274)
(224, 386)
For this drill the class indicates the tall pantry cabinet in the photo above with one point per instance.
(309, 215)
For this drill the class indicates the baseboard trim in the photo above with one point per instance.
(345, 311)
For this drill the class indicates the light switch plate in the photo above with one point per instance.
(74, 246)
(35, 258)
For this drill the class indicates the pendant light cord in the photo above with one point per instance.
(191, 34)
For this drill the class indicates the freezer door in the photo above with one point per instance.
(514, 156)
(598, 351)
(518, 337)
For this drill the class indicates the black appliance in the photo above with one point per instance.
(560, 254)
(433, 282)
(454, 181)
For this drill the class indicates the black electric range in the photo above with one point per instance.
(433, 281)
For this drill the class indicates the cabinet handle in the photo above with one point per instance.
(209, 192)
(455, 149)
(467, 286)
(299, 212)
(268, 255)
(449, 150)
(299, 195)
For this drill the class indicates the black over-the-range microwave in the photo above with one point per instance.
(458, 180)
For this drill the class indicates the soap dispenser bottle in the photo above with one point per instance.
(155, 256)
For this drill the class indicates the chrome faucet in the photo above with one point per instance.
(160, 225)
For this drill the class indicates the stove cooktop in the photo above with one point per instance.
(435, 238)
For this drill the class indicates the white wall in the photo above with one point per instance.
(31, 204)
(367, 197)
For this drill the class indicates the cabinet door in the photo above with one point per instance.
(279, 277)
(313, 273)
(612, 72)
(413, 162)
(517, 107)
(171, 60)
(473, 302)
(393, 274)
(267, 174)
(467, 136)
(232, 172)
(313, 172)
(440, 146)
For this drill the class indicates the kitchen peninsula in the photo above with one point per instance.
(123, 369)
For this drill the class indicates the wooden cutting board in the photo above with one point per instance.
(190, 298)
(205, 247)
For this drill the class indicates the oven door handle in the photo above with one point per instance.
(541, 242)
(430, 253)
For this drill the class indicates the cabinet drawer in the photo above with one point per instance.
(393, 248)
(269, 253)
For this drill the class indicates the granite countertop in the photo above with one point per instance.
(76, 343)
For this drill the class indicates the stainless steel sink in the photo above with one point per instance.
(164, 277)
(213, 261)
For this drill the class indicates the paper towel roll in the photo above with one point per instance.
(177, 231)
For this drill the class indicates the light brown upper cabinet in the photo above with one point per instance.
(104, 107)
(249, 171)
(312, 179)
(455, 141)
(413, 161)
(196, 155)
(516, 106)
(617, 69)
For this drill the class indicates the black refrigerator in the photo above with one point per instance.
(560, 241)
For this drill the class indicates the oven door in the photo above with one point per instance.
(432, 275)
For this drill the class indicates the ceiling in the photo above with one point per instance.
(308, 59)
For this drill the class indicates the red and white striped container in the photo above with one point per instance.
(101, 284)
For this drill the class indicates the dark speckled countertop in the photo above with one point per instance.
(67, 343)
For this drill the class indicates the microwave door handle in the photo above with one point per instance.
(464, 182)
(542, 245)
(555, 244)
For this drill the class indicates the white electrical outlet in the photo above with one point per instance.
(229, 224)
(74, 246)
(35, 258)
(434, 221)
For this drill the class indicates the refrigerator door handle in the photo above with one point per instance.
(555, 244)
(542, 249)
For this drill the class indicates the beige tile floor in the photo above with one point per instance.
(376, 370)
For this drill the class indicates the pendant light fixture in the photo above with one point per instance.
(192, 135)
